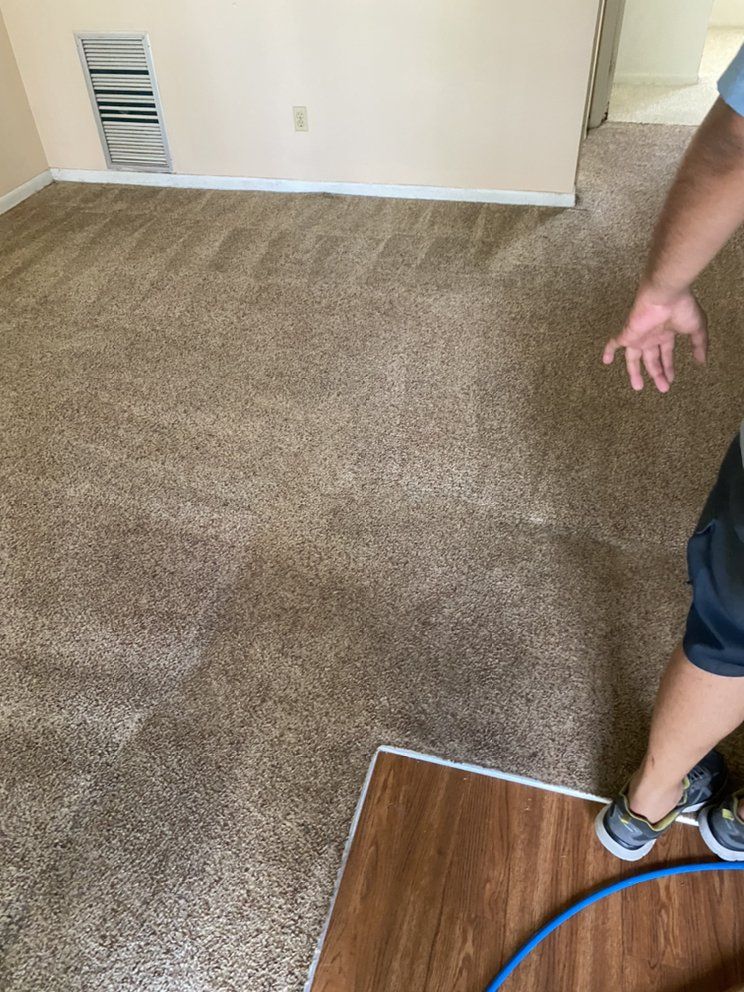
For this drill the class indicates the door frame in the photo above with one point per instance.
(608, 41)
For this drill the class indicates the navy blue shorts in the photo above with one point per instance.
(714, 638)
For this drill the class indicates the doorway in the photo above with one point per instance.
(659, 61)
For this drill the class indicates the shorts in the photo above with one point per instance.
(714, 638)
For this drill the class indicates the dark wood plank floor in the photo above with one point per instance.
(450, 871)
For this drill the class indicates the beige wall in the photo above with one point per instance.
(662, 40)
(463, 93)
(728, 14)
(21, 154)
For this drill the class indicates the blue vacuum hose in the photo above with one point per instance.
(608, 890)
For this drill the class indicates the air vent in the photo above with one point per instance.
(121, 80)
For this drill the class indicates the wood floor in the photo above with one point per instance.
(450, 871)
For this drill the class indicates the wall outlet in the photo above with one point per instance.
(300, 118)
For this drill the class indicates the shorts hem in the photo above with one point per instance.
(700, 658)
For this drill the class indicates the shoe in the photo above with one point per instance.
(631, 837)
(722, 828)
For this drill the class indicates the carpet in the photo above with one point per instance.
(287, 477)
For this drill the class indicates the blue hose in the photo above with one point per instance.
(608, 890)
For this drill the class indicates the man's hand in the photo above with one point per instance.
(650, 333)
(702, 210)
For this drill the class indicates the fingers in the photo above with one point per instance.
(648, 339)
(699, 342)
(608, 355)
(667, 359)
(652, 361)
(633, 365)
(695, 325)
(658, 360)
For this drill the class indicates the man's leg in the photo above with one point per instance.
(701, 697)
(694, 710)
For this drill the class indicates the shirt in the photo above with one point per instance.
(731, 83)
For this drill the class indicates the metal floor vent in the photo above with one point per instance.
(121, 80)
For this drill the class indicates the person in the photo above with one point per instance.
(701, 695)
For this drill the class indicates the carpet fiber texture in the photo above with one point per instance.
(289, 477)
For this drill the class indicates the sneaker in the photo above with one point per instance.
(722, 828)
(631, 837)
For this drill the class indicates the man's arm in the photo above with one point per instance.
(704, 207)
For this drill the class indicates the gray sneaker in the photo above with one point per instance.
(722, 828)
(631, 837)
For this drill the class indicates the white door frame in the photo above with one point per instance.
(608, 40)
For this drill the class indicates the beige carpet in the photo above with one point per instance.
(286, 478)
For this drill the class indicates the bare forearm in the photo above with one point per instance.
(705, 205)
(703, 209)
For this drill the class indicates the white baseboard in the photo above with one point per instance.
(183, 181)
(649, 79)
(21, 193)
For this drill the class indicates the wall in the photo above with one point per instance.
(662, 41)
(728, 14)
(455, 93)
(21, 154)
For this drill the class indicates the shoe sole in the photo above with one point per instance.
(635, 854)
(608, 841)
(724, 853)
